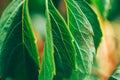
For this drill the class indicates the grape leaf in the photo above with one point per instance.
(18, 52)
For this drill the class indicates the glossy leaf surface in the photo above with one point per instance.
(84, 26)
(64, 52)
(18, 52)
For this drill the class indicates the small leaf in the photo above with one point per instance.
(109, 9)
(103, 6)
(18, 52)
(114, 11)
(116, 74)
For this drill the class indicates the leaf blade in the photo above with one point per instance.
(81, 26)
(64, 52)
(48, 65)
(93, 19)
(17, 46)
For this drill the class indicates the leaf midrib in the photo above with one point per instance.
(80, 30)
(62, 38)
(80, 12)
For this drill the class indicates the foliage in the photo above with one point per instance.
(70, 44)
(109, 9)
(116, 74)
(18, 51)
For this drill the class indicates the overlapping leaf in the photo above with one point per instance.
(103, 6)
(64, 52)
(18, 52)
(62, 60)
(109, 9)
(47, 71)
(81, 20)
(93, 20)
(80, 24)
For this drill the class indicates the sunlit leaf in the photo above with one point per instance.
(81, 20)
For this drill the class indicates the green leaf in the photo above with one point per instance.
(109, 9)
(81, 20)
(89, 1)
(116, 74)
(18, 52)
(47, 71)
(114, 11)
(37, 6)
(64, 52)
(103, 6)
(93, 20)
